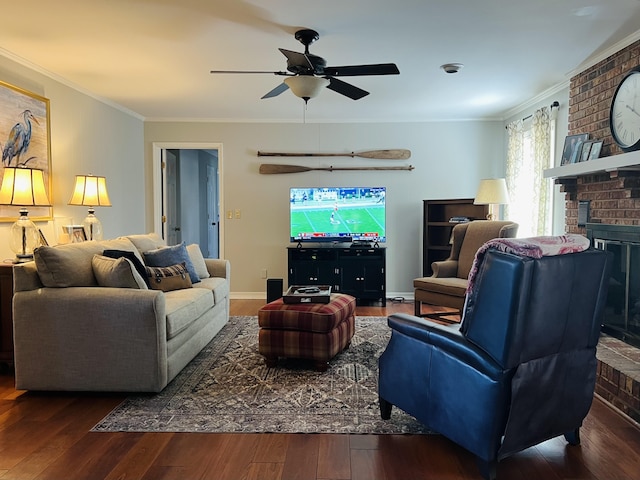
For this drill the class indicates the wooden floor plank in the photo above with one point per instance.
(140, 457)
(301, 462)
(334, 459)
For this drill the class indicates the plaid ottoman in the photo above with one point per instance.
(315, 331)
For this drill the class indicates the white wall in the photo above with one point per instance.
(87, 136)
(449, 158)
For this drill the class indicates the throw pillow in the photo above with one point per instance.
(137, 263)
(195, 254)
(67, 265)
(174, 277)
(116, 272)
(168, 256)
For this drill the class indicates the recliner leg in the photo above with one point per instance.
(417, 308)
(488, 470)
(573, 437)
(385, 408)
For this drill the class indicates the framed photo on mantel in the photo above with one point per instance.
(571, 153)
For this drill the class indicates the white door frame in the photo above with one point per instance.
(157, 181)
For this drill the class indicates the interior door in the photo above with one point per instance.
(171, 198)
(213, 212)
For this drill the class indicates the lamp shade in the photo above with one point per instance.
(306, 86)
(23, 187)
(90, 191)
(492, 191)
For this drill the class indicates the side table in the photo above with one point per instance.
(6, 313)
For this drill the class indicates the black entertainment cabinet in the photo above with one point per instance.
(357, 271)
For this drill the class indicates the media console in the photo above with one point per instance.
(356, 271)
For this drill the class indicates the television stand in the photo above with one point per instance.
(357, 271)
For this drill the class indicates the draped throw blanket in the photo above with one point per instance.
(534, 247)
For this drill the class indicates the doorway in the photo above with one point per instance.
(187, 195)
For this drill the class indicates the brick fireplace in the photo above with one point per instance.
(613, 197)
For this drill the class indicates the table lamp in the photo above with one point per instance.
(492, 192)
(23, 187)
(91, 191)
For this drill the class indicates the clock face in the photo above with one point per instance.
(624, 119)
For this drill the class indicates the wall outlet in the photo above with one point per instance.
(238, 213)
(263, 273)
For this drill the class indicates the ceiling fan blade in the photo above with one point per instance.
(346, 89)
(296, 59)
(249, 71)
(356, 70)
(283, 87)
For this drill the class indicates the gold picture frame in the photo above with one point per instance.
(25, 141)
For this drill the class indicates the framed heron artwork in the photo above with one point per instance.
(25, 142)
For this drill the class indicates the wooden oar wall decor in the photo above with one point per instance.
(393, 154)
(269, 168)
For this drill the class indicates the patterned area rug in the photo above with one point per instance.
(228, 388)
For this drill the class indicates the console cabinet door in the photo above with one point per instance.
(312, 267)
(362, 274)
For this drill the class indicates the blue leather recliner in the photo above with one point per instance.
(519, 370)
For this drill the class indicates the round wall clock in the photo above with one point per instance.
(624, 117)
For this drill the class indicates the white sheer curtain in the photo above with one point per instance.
(529, 152)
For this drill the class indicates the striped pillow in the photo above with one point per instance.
(170, 278)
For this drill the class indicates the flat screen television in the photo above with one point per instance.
(338, 214)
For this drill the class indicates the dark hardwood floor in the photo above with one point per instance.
(46, 436)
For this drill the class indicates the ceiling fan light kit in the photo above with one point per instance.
(306, 86)
(308, 74)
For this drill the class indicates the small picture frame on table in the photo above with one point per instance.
(76, 233)
(43, 239)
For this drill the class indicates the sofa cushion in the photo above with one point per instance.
(184, 307)
(195, 254)
(173, 277)
(174, 255)
(146, 242)
(219, 287)
(67, 265)
(116, 272)
(70, 265)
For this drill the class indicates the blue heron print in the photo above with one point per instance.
(18, 141)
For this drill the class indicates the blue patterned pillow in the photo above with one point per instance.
(168, 256)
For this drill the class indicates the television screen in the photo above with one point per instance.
(337, 214)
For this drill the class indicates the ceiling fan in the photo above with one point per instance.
(308, 74)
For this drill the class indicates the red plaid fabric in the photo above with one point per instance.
(312, 331)
(309, 317)
(320, 347)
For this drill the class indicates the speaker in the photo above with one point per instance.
(274, 289)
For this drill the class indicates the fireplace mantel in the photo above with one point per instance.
(624, 161)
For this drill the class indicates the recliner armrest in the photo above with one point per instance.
(445, 268)
(446, 338)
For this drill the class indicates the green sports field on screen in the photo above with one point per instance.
(338, 214)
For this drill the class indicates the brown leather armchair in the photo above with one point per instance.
(448, 284)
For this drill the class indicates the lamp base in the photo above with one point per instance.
(23, 258)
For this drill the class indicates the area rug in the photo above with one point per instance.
(228, 388)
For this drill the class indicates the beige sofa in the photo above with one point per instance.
(72, 334)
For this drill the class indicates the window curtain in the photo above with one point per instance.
(529, 152)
